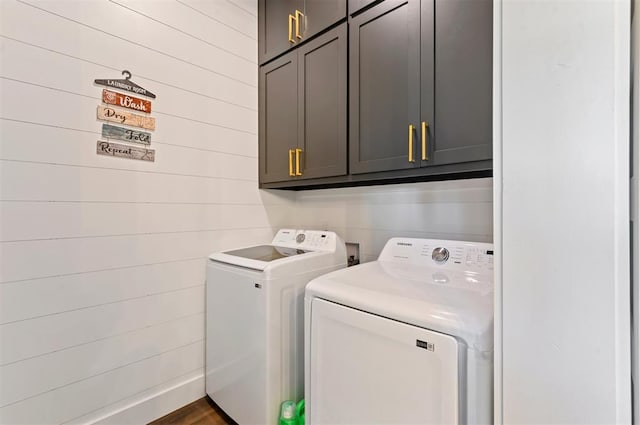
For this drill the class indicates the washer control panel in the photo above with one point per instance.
(450, 255)
(308, 240)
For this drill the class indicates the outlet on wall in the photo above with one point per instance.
(353, 253)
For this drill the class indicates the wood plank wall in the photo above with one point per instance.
(102, 260)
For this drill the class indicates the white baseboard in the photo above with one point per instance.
(151, 404)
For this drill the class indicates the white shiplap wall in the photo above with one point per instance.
(457, 210)
(102, 260)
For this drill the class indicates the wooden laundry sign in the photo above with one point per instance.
(113, 113)
(125, 151)
(125, 134)
(130, 102)
(126, 85)
(124, 117)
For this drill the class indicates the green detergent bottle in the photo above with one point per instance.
(300, 412)
(288, 414)
(292, 413)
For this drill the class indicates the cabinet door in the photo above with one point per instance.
(278, 117)
(273, 23)
(427, 70)
(321, 14)
(384, 86)
(322, 94)
(463, 81)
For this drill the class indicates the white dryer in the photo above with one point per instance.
(406, 339)
(255, 321)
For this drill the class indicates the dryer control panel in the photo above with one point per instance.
(308, 240)
(449, 255)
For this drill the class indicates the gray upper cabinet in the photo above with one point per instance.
(284, 24)
(420, 85)
(463, 82)
(278, 123)
(384, 87)
(276, 27)
(303, 117)
(322, 96)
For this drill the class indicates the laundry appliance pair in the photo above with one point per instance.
(406, 339)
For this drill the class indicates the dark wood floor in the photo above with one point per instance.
(200, 412)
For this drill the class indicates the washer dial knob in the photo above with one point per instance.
(300, 238)
(440, 255)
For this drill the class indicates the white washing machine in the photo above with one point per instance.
(406, 339)
(255, 321)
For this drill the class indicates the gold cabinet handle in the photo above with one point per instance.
(425, 157)
(298, 154)
(411, 130)
(291, 163)
(298, 16)
(291, 19)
